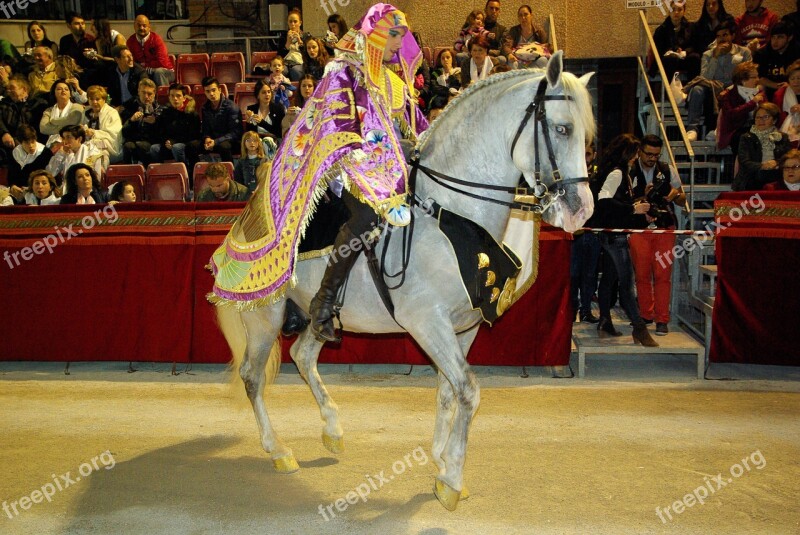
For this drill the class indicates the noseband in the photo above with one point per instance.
(545, 195)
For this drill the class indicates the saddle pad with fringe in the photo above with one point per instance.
(488, 269)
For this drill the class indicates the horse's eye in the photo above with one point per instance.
(562, 130)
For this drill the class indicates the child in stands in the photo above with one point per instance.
(253, 155)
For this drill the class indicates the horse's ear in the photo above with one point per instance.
(554, 69)
(585, 79)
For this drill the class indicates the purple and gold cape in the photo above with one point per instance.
(346, 135)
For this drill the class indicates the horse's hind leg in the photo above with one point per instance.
(435, 335)
(305, 353)
(262, 326)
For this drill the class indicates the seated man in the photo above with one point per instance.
(43, 75)
(150, 52)
(176, 126)
(773, 59)
(77, 43)
(754, 25)
(17, 109)
(74, 149)
(716, 73)
(221, 125)
(122, 78)
(28, 156)
(139, 124)
(221, 187)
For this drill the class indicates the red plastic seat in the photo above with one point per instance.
(427, 54)
(228, 68)
(192, 68)
(243, 94)
(199, 175)
(133, 173)
(167, 182)
(162, 95)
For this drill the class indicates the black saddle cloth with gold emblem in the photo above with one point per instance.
(488, 269)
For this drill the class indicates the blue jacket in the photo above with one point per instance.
(224, 123)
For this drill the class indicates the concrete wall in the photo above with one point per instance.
(584, 28)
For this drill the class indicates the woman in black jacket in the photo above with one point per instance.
(265, 116)
(83, 186)
(675, 46)
(760, 149)
(615, 208)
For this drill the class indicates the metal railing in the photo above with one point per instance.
(673, 105)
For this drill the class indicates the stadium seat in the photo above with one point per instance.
(167, 182)
(199, 175)
(228, 68)
(162, 96)
(243, 94)
(135, 174)
(261, 61)
(192, 68)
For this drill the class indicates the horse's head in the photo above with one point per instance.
(549, 147)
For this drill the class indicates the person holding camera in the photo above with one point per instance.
(139, 128)
(658, 184)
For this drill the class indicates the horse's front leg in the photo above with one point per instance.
(305, 352)
(262, 326)
(436, 337)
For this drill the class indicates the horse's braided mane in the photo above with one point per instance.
(569, 81)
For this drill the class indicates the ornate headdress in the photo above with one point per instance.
(367, 40)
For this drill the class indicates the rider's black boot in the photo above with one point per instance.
(339, 266)
(294, 321)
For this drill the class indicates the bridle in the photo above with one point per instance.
(544, 196)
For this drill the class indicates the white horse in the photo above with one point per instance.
(471, 140)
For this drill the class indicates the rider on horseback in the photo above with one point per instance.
(375, 65)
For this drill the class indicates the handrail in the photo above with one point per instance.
(675, 110)
(664, 80)
(553, 40)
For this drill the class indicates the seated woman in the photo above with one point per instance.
(290, 51)
(704, 31)
(37, 36)
(68, 70)
(527, 32)
(337, 27)
(737, 104)
(103, 124)
(122, 191)
(673, 41)
(445, 79)
(106, 39)
(41, 190)
(264, 116)
(760, 149)
(307, 86)
(315, 57)
(63, 113)
(84, 186)
(786, 98)
(479, 64)
(790, 169)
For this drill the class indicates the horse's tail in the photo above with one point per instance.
(232, 327)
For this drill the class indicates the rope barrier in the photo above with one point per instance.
(649, 231)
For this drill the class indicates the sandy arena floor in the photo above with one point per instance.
(175, 455)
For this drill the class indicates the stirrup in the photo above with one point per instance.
(320, 328)
(398, 216)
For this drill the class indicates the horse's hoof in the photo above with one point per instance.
(333, 445)
(286, 464)
(447, 495)
(464, 494)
